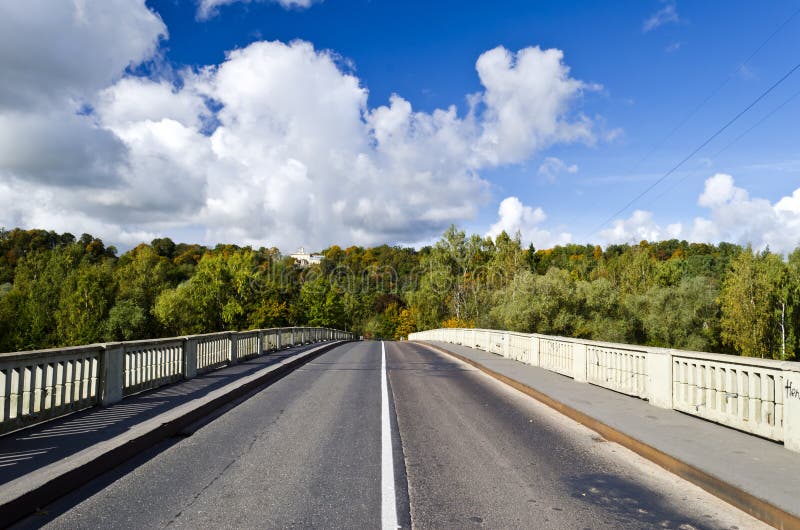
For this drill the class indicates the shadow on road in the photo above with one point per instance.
(631, 502)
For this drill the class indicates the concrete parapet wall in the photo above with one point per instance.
(757, 396)
(39, 385)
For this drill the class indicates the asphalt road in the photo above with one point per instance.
(467, 452)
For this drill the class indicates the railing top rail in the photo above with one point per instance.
(216, 334)
(688, 354)
(773, 364)
(165, 341)
(50, 352)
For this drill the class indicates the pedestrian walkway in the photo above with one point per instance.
(711, 455)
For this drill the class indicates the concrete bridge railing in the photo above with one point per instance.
(39, 385)
(757, 396)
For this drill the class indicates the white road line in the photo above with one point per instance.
(388, 499)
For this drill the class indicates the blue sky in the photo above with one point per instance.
(631, 73)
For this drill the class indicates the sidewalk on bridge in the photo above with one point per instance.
(757, 467)
(37, 463)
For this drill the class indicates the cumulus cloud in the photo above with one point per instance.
(665, 15)
(276, 145)
(56, 54)
(552, 166)
(515, 217)
(209, 8)
(55, 58)
(733, 215)
(526, 97)
(640, 225)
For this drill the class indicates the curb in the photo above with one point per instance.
(747, 502)
(59, 485)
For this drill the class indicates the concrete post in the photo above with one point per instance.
(189, 357)
(534, 351)
(791, 404)
(260, 347)
(506, 347)
(579, 362)
(113, 373)
(233, 356)
(278, 344)
(291, 338)
(659, 378)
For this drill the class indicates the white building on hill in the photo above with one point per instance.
(305, 259)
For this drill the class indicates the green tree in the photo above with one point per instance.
(601, 315)
(84, 304)
(685, 316)
(322, 303)
(140, 275)
(751, 297)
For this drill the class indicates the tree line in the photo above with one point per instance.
(58, 290)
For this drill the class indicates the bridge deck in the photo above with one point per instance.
(310, 451)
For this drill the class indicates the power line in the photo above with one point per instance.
(756, 124)
(729, 144)
(701, 146)
(714, 92)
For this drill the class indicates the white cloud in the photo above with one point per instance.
(719, 190)
(54, 59)
(209, 8)
(733, 216)
(290, 154)
(640, 225)
(133, 100)
(56, 54)
(665, 15)
(526, 96)
(514, 216)
(551, 167)
(737, 217)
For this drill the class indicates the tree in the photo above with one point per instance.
(83, 307)
(685, 316)
(406, 323)
(601, 315)
(141, 275)
(218, 297)
(541, 304)
(33, 301)
(753, 295)
(322, 304)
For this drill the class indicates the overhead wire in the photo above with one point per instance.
(700, 147)
(732, 142)
(696, 109)
(714, 92)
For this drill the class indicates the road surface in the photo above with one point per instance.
(447, 447)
